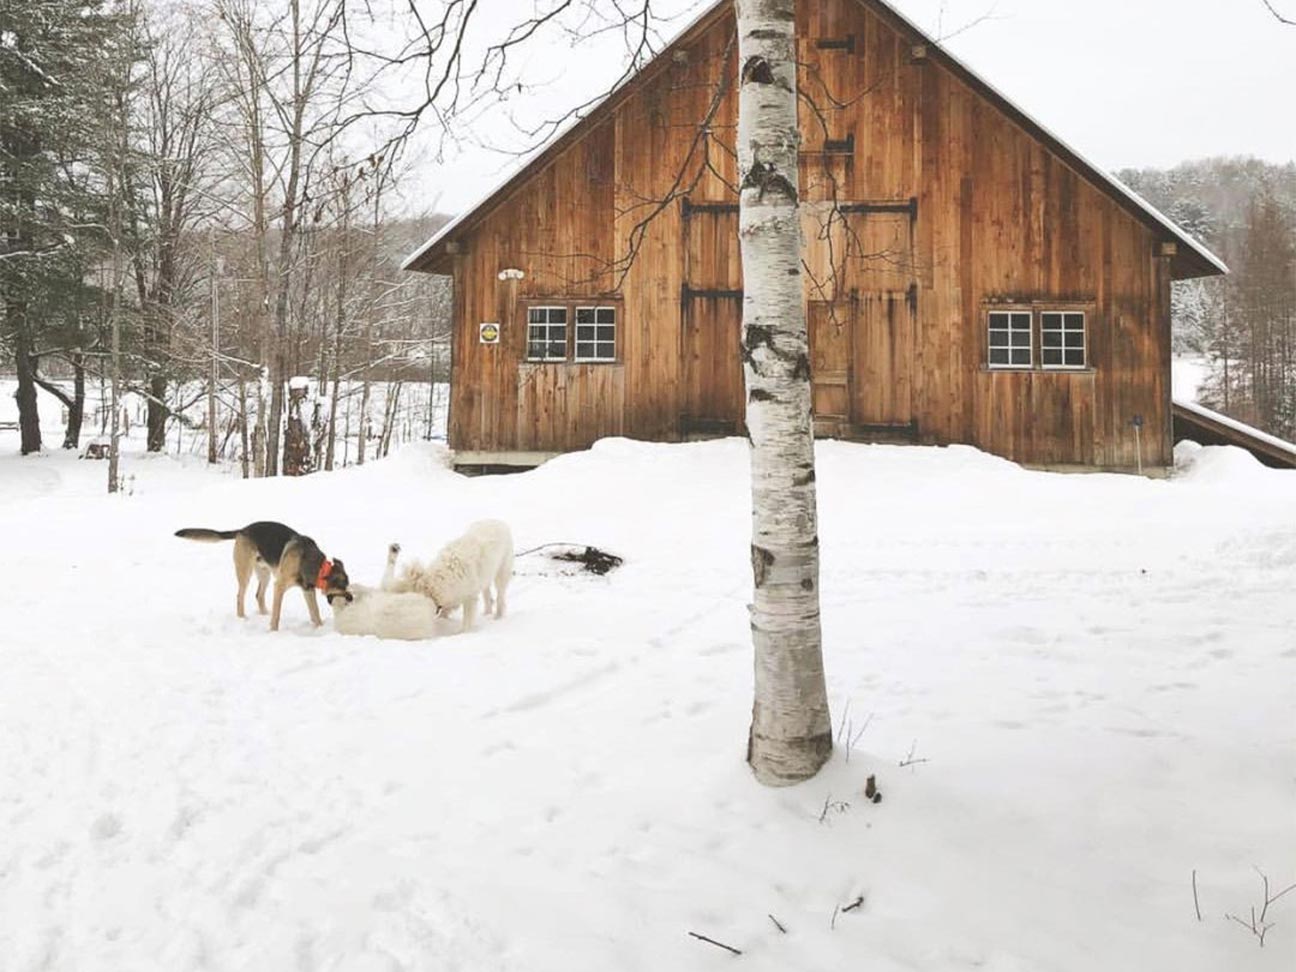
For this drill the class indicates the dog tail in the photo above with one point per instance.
(206, 536)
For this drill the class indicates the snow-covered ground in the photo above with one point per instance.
(1091, 679)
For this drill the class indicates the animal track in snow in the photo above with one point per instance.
(106, 827)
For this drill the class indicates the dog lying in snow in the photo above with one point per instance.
(466, 566)
(383, 612)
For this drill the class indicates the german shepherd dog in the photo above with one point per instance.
(296, 561)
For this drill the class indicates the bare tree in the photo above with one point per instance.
(176, 101)
(291, 81)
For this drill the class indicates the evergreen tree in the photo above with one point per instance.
(53, 55)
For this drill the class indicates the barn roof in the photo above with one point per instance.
(1192, 259)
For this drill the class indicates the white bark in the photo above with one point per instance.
(791, 733)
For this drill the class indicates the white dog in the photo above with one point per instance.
(466, 566)
(381, 611)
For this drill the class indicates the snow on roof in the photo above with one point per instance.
(1232, 423)
(1112, 182)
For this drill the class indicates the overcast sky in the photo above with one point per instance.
(1124, 82)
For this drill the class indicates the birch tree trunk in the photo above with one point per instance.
(791, 733)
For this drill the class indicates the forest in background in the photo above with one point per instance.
(193, 211)
(1244, 324)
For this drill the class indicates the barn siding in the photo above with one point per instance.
(999, 219)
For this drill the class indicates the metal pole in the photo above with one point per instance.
(1138, 441)
(215, 351)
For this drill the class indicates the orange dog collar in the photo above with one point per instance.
(321, 579)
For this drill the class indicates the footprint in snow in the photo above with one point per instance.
(106, 827)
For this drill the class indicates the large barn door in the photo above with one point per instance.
(711, 313)
(862, 298)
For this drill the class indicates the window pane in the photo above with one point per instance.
(606, 332)
(1051, 339)
(584, 315)
(1051, 356)
(536, 349)
(1009, 338)
(607, 315)
(557, 315)
(584, 332)
(584, 349)
(1051, 320)
(1075, 322)
(1075, 358)
(557, 349)
(607, 349)
(1074, 340)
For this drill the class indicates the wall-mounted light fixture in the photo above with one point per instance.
(511, 273)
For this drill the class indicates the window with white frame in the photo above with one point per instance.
(1010, 339)
(546, 333)
(595, 333)
(1062, 339)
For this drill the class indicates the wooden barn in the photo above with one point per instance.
(969, 278)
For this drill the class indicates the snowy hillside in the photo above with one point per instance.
(1091, 679)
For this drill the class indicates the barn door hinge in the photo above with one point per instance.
(846, 44)
(840, 146)
(908, 206)
(687, 293)
(688, 207)
(906, 430)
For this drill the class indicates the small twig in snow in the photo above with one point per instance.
(1259, 926)
(856, 738)
(852, 737)
(854, 904)
(1196, 904)
(777, 924)
(712, 941)
(909, 760)
(838, 806)
(832, 925)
